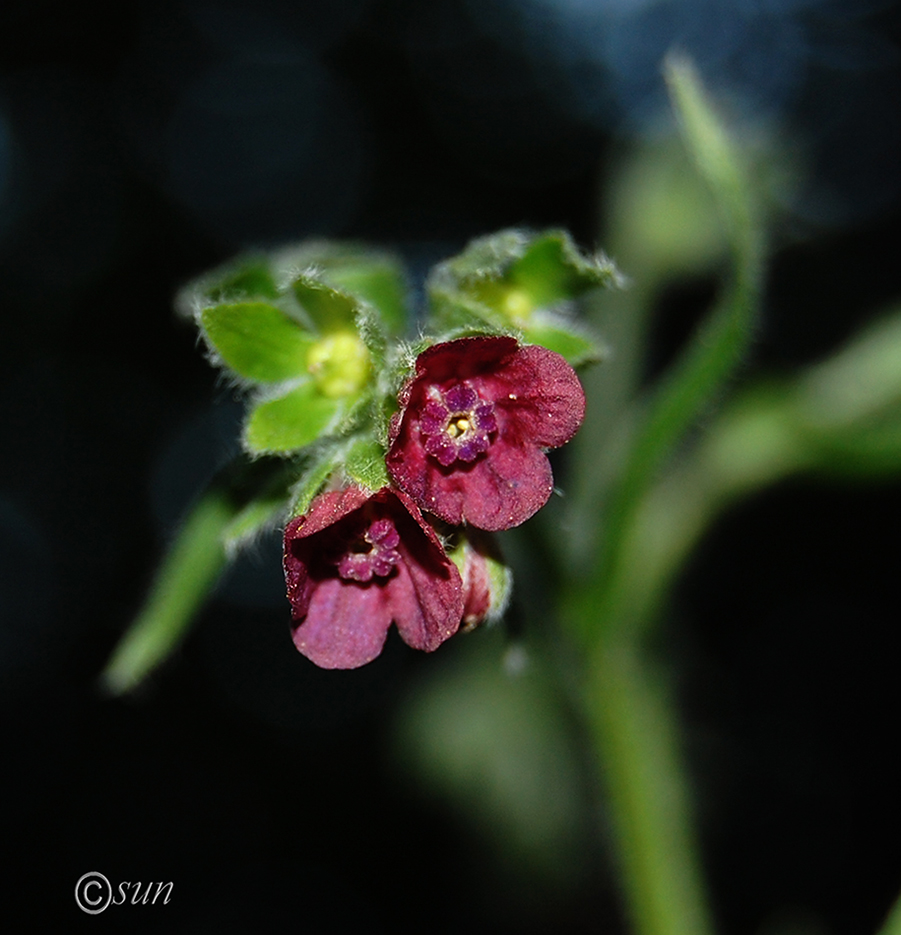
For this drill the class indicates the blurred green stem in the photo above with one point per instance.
(892, 924)
(636, 740)
(648, 527)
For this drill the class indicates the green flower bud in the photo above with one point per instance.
(340, 364)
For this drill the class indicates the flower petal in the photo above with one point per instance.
(461, 359)
(498, 492)
(427, 594)
(541, 395)
(346, 624)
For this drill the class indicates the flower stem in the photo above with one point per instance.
(649, 526)
(892, 924)
(637, 740)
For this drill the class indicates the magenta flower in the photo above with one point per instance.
(354, 563)
(476, 418)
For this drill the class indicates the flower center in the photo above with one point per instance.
(456, 424)
(374, 553)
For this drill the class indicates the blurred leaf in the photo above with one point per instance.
(184, 580)
(711, 356)
(244, 498)
(497, 747)
(717, 160)
(892, 924)
(504, 279)
(573, 343)
(663, 214)
(290, 422)
(257, 340)
(611, 610)
(861, 381)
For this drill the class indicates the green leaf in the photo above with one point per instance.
(372, 276)
(249, 278)
(364, 463)
(291, 422)
(257, 340)
(577, 347)
(379, 280)
(328, 308)
(552, 270)
(241, 500)
(187, 575)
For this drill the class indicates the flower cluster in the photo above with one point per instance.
(467, 448)
(401, 465)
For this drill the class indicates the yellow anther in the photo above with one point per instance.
(458, 427)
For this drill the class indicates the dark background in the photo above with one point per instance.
(142, 145)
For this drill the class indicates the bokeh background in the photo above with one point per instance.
(142, 144)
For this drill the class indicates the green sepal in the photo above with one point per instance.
(364, 463)
(319, 469)
(287, 423)
(257, 340)
(468, 547)
(381, 284)
(553, 270)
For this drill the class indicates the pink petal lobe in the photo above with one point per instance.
(346, 624)
(541, 394)
(427, 594)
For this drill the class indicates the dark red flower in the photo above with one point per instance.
(354, 563)
(476, 418)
